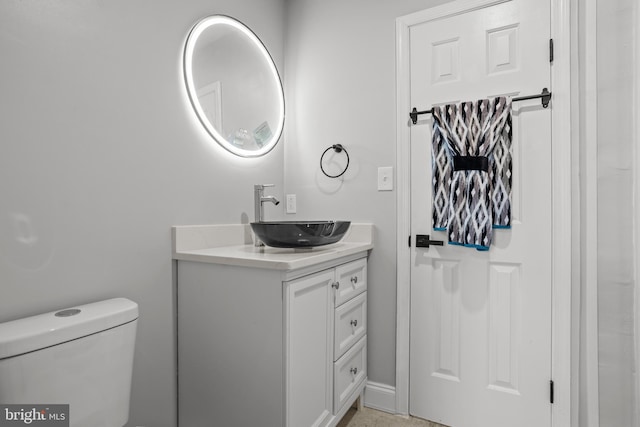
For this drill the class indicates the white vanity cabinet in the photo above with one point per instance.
(270, 347)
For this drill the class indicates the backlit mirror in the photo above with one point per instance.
(234, 86)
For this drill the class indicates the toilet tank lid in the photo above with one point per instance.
(45, 330)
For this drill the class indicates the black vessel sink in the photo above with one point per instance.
(300, 234)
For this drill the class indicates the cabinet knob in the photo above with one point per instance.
(354, 322)
(354, 371)
(335, 285)
(354, 279)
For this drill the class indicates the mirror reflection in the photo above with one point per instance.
(234, 86)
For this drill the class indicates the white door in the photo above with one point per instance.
(210, 98)
(480, 324)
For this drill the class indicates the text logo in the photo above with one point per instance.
(34, 415)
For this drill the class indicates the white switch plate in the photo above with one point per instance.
(385, 178)
(291, 203)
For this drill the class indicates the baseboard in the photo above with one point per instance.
(380, 396)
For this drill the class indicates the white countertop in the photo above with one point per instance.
(232, 244)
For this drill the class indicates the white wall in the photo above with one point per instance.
(340, 88)
(616, 26)
(100, 155)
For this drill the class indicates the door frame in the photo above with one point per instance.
(561, 356)
(636, 207)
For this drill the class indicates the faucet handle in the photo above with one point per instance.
(262, 186)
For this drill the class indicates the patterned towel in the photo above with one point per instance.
(471, 159)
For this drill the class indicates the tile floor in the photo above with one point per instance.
(368, 417)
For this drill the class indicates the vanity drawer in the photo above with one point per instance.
(350, 324)
(348, 373)
(352, 280)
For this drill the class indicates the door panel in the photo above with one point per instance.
(505, 312)
(309, 348)
(480, 351)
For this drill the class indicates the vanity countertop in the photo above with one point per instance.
(232, 244)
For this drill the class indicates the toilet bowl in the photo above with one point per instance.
(81, 357)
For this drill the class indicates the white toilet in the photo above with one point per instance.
(81, 356)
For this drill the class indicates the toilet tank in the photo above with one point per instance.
(82, 356)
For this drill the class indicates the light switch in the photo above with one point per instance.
(385, 178)
(291, 203)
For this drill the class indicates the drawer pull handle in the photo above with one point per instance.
(335, 285)
(354, 322)
(354, 371)
(354, 279)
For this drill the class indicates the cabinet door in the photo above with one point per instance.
(309, 323)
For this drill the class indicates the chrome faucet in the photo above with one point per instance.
(258, 199)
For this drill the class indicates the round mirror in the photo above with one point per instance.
(234, 86)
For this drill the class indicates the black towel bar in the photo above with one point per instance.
(545, 95)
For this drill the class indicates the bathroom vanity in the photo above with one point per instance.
(266, 336)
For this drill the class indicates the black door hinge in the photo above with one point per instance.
(409, 241)
(550, 50)
(551, 391)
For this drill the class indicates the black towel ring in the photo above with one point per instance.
(337, 148)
